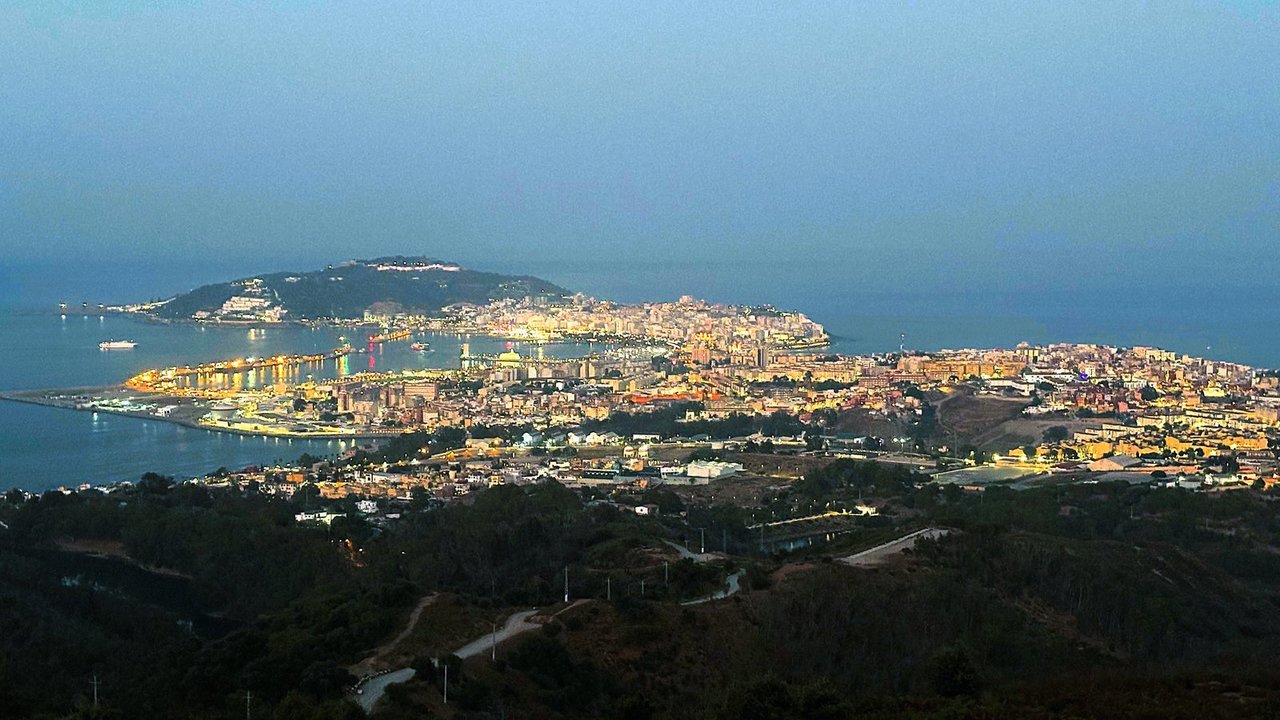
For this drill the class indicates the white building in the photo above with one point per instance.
(712, 470)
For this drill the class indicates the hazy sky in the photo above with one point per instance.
(883, 146)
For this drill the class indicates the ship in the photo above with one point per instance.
(420, 347)
(117, 345)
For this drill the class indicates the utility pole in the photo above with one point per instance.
(666, 573)
(703, 547)
(566, 583)
(248, 702)
(95, 683)
(446, 683)
(494, 645)
(608, 588)
(642, 587)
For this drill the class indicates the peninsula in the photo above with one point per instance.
(346, 291)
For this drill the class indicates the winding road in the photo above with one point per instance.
(370, 664)
(369, 692)
(372, 686)
(516, 624)
(732, 585)
(881, 553)
(687, 554)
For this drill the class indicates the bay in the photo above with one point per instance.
(43, 447)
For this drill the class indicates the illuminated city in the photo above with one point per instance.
(639, 361)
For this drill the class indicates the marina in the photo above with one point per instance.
(43, 445)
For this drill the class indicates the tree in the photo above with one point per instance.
(826, 417)
(152, 482)
(1055, 433)
(953, 673)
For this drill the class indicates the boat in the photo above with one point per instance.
(420, 347)
(117, 345)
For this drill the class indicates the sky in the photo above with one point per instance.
(787, 150)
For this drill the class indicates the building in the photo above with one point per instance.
(1114, 463)
(712, 470)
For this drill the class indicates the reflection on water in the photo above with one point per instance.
(796, 543)
(44, 447)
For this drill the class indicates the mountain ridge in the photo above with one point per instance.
(343, 291)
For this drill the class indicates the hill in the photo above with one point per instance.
(419, 285)
(1073, 601)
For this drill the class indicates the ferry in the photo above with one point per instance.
(117, 345)
(420, 347)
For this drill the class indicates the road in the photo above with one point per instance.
(687, 554)
(731, 586)
(371, 689)
(370, 664)
(516, 624)
(880, 553)
(369, 692)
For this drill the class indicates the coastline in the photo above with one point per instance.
(430, 325)
(41, 398)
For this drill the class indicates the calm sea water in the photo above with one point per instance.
(44, 447)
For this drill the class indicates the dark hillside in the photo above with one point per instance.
(418, 284)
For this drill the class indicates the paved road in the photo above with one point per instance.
(369, 692)
(687, 554)
(731, 586)
(370, 664)
(880, 553)
(516, 624)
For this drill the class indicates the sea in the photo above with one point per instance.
(43, 448)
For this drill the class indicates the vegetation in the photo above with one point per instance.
(346, 291)
(1103, 600)
(670, 422)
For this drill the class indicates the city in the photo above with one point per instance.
(639, 361)
(1021, 416)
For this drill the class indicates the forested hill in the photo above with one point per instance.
(347, 290)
